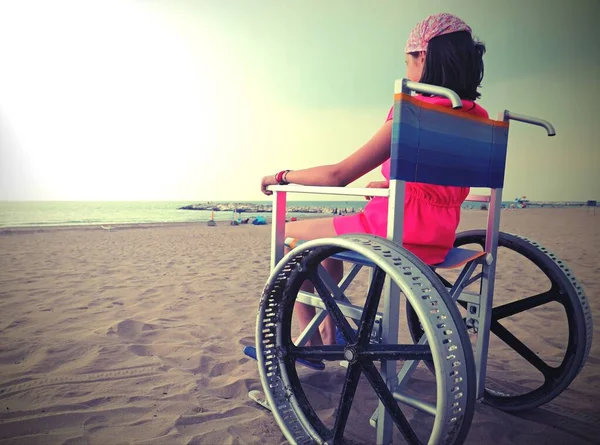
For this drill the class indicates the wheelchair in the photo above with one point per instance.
(450, 307)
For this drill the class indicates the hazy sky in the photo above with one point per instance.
(197, 100)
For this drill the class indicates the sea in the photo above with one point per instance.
(78, 213)
(81, 213)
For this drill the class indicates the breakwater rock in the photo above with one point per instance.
(262, 208)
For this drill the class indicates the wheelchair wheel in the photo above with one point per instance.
(299, 416)
(555, 301)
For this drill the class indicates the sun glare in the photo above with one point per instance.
(104, 95)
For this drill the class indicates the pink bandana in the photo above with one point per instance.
(433, 26)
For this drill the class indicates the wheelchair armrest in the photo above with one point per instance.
(279, 208)
(348, 191)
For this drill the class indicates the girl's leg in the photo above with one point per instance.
(308, 230)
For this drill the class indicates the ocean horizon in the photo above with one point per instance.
(81, 213)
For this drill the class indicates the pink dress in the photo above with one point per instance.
(431, 212)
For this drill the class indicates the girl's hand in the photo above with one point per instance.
(376, 185)
(265, 182)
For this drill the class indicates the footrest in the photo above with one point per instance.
(458, 257)
(250, 351)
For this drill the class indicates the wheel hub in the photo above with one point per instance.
(351, 354)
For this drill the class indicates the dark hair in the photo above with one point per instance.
(455, 61)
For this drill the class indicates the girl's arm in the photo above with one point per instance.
(372, 154)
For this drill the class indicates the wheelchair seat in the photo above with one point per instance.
(457, 256)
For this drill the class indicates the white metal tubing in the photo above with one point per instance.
(391, 291)
(311, 327)
(337, 294)
(509, 115)
(467, 297)
(278, 230)
(334, 287)
(421, 405)
(487, 290)
(349, 276)
(455, 293)
(348, 191)
(395, 224)
(489, 270)
(463, 277)
(406, 86)
(391, 315)
(478, 198)
(409, 366)
(391, 302)
(348, 309)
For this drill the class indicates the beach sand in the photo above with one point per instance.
(135, 335)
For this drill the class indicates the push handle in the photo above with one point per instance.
(405, 85)
(509, 115)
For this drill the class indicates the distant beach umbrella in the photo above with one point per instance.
(211, 221)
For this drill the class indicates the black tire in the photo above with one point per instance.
(566, 290)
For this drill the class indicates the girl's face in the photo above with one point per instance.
(414, 66)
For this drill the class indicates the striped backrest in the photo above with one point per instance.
(434, 144)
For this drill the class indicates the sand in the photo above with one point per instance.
(135, 335)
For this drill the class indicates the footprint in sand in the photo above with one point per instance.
(141, 350)
(131, 328)
(16, 323)
(224, 368)
(95, 423)
(207, 416)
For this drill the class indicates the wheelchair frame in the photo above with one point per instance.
(387, 323)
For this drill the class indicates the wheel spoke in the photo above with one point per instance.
(388, 401)
(516, 307)
(520, 348)
(397, 352)
(331, 305)
(348, 392)
(370, 311)
(323, 352)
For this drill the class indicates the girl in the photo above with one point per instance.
(440, 51)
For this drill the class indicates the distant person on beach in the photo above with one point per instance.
(440, 51)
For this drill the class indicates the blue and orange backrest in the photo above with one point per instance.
(435, 144)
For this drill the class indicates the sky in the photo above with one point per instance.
(198, 100)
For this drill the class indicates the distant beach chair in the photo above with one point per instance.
(591, 206)
(440, 332)
(237, 220)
